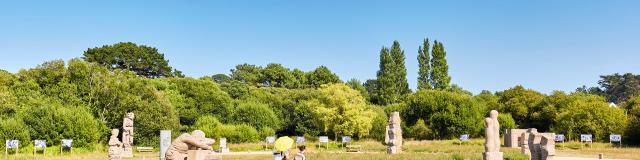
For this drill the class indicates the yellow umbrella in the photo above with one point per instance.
(283, 144)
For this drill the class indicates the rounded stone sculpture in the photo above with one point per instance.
(393, 136)
(185, 142)
(115, 146)
(492, 137)
(127, 135)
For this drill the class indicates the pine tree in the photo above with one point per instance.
(423, 65)
(385, 89)
(439, 69)
(400, 70)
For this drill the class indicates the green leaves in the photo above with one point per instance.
(143, 60)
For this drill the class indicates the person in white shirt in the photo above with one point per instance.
(300, 154)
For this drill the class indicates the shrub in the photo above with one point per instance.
(506, 121)
(208, 124)
(14, 129)
(256, 114)
(378, 124)
(53, 123)
(420, 131)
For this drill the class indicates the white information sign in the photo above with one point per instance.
(270, 139)
(559, 138)
(586, 137)
(40, 143)
(323, 139)
(464, 137)
(11, 143)
(615, 138)
(66, 143)
(346, 139)
(300, 140)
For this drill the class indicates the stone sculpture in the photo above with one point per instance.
(115, 146)
(127, 135)
(492, 138)
(393, 137)
(547, 147)
(185, 143)
(511, 137)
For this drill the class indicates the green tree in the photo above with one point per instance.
(247, 73)
(255, 114)
(357, 85)
(143, 60)
(448, 114)
(518, 101)
(321, 75)
(423, 65)
(618, 88)
(14, 129)
(200, 97)
(385, 90)
(439, 74)
(583, 113)
(399, 70)
(343, 111)
(276, 75)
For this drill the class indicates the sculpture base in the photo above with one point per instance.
(492, 156)
(127, 153)
(197, 154)
(393, 149)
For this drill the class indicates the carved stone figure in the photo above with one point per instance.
(548, 147)
(127, 135)
(538, 146)
(492, 137)
(511, 137)
(182, 144)
(115, 146)
(393, 137)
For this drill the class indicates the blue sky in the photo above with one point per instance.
(491, 45)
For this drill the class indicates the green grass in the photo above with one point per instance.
(412, 150)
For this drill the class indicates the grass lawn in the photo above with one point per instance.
(445, 149)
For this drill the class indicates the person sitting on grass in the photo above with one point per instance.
(300, 154)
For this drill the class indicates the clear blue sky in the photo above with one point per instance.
(492, 45)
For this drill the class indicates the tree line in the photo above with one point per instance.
(85, 97)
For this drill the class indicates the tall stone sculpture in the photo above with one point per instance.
(182, 144)
(492, 138)
(115, 146)
(127, 135)
(548, 147)
(538, 146)
(393, 137)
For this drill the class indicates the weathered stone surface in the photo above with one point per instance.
(539, 146)
(492, 138)
(393, 137)
(511, 137)
(127, 135)
(115, 146)
(182, 144)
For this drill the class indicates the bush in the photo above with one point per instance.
(589, 114)
(448, 114)
(14, 129)
(53, 123)
(378, 124)
(506, 121)
(420, 131)
(208, 124)
(265, 132)
(256, 114)
(237, 133)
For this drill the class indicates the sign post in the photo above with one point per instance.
(270, 140)
(11, 144)
(39, 144)
(615, 138)
(323, 139)
(300, 140)
(587, 138)
(464, 138)
(345, 139)
(560, 138)
(66, 143)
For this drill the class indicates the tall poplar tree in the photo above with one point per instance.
(386, 87)
(423, 65)
(439, 69)
(399, 70)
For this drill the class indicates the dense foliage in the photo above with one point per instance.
(83, 99)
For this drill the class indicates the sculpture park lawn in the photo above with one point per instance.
(437, 149)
